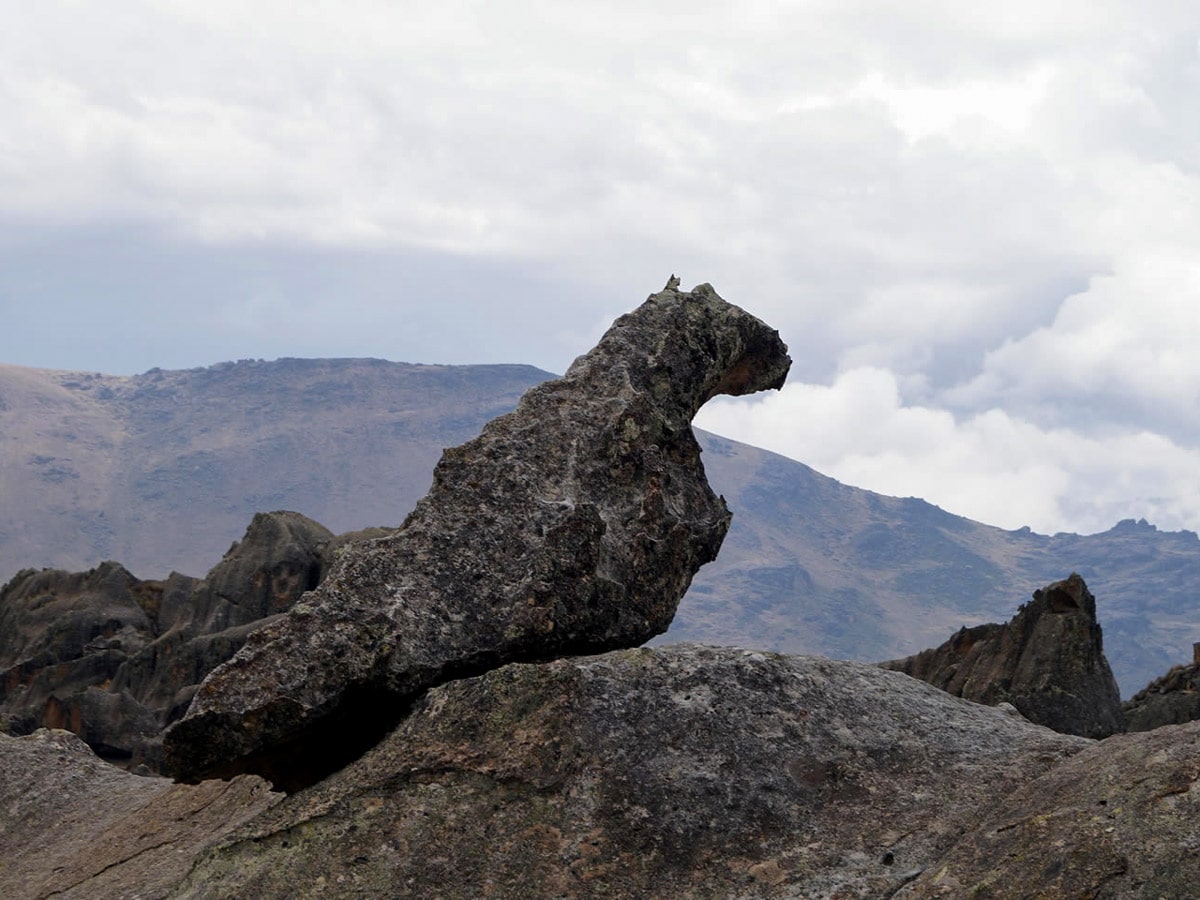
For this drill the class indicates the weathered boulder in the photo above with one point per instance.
(114, 659)
(76, 828)
(573, 524)
(1117, 820)
(1170, 700)
(683, 771)
(1047, 661)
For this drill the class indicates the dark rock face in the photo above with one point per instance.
(1117, 820)
(572, 525)
(1170, 700)
(1048, 662)
(686, 771)
(114, 659)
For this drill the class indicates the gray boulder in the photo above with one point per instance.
(1116, 820)
(684, 771)
(573, 524)
(1047, 661)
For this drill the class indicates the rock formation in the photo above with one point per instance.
(114, 659)
(1117, 820)
(573, 524)
(685, 771)
(75, 828)
(1170, 700)
(1048, 662)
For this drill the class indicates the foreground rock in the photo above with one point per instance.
(573, 524)
(76, 828)
(114, 659)
(1048, 662)
(1117, 820)
(1170, 700)
(686, 771)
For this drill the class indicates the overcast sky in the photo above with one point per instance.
(976, 225)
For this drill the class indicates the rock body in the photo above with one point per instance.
(573, 524)
(75, 828)
(1048, 662)
(1117, 820)
(114, 659)
(1170, 700)
(685, 771)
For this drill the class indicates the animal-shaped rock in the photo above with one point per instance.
(572, 525)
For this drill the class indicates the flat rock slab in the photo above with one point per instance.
(686, 771)
(574, 524)
(74, 827)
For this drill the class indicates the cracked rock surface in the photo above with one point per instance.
(573, 524)
(74, 827)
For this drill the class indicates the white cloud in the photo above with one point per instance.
(983, 217)
(989, 466)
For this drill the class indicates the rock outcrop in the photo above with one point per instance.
(75, 828)
(572, 525)
(684, 771)
(1170, 700)
(114, 659)
(1117, 820)
(1048, 662)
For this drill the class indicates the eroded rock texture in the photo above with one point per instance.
(685, 771)
(1170, 700)
(1047, 661)
(572, 525)
(114, 659)
(75, 828)
(1117, 820)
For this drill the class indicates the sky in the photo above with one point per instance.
(976, 225)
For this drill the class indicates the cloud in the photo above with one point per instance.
(989, 466)
(986, 214)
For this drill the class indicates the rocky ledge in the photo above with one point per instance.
(686, 771)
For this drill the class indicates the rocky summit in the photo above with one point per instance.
(1048, 662)
(573, 524)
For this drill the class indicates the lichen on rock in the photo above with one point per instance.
(573, 524)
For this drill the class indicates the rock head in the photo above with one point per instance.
(1048, 662)
(572, 525)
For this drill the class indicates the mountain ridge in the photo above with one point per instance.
(163, 470)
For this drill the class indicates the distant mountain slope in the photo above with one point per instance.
(164, 471)
(815, 566)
